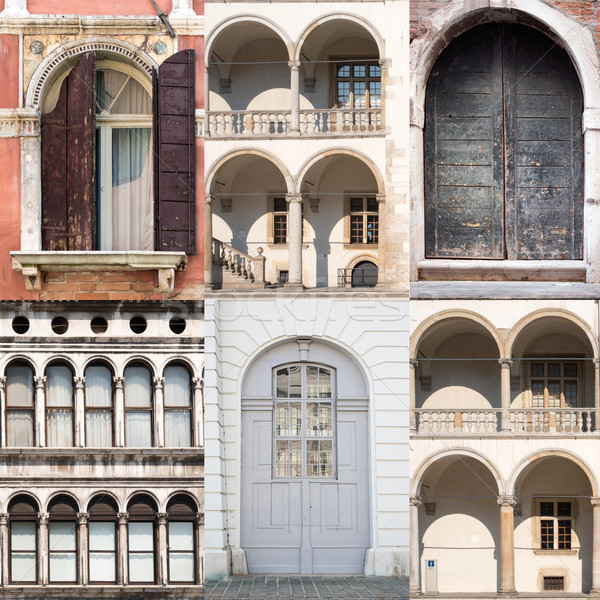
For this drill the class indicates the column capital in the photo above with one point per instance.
(40, 381)
(595, 500)
(3, 519)
(162, 518)
(414, 362)
(416, 500)
(507, 500)
(82, 518)
(3, 380)
(200, 518)
(43, 518)
(596, 363)
(294, 64)
(122, 517)
(380, 198)
(79, 382)
(197, 381)
(119, 381)
(158, 382)
(290, 198)
(505, 363)
(209, 199)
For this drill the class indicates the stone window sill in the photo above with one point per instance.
(32, 264)
(572, 552)
(451, 269)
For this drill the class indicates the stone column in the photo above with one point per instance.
(162, 548)
(381, 248)
(415, 555)
(505, 365)
(198, 412)
(122, 578)
(597, 395)
(507, 545)
(119, 412)
(295, 95)
(40, 412)
(82, 539)
(294, 236)
(199, 547)
(595, 591)
(3, 411)
(182, 9)
(79, 412)
(412, 390)
(159, 412)
(208, 243)
(43, 558)
(4, 547)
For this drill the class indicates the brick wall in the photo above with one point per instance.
(139, 285)
(587, 12)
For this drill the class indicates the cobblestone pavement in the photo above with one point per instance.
(306, 587)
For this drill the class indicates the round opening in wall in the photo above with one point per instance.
(59, 325)
(20, 324)
(138, 324)
(177, 325)
(99, 325)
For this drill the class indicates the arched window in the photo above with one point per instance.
(181, 512)
(23, 512)
(138, 406)
(304, 406)
(503, 149)
(59, 405)
(142, 538)
(98, 406)
(178, 407)
(62, 540)
(364, 274)
(102, 544)
(19, 405)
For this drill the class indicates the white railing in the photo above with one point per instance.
(526, 421)
(338, 121)
(237, 262)
(232, 123)
(552, 420)
(457, 421)
(356, 121)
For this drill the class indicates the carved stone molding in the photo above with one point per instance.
(19, 123)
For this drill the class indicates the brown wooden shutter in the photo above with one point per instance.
(68, 163)
(175, 152)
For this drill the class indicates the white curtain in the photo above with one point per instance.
(20, 385)
(63, 552)
(59, 392)
(102, 545)
(19, 428)
(181, 551)
(177, 428)
(59, 424)
(138, 429)
(141, 552)
(23, 551)
(59, 386)
(177, 386)
(98, 401)
(137, 387)
(177, 393)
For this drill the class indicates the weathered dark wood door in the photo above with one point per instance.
(503, 149)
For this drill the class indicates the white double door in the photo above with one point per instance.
(305, 524)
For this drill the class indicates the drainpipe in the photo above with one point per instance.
(163, 18)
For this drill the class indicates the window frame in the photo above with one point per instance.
(141, 515)
(175, 517)
(23, 518)
(102, 517)
(555, 519)
(549, 360)
(303, 437)
(150, 409)
(367, 61)
(59, 517)
(101, 409)
(49, 409)
(272, 213)
(347, 219)
(31, 409)
(189, 408)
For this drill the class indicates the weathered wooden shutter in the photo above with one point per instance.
(503, 149)
(68, 163)
(175, 152)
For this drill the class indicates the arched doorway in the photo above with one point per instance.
(305, 457)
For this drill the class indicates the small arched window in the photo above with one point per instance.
(364, 274)
(59, 405)
(62, 540)
(138, 406)
(23, 512)
(98, 406)
(178, 407)
(142, 540)
(19, 405)
(102, 544)
(182, 531)
(503, 149)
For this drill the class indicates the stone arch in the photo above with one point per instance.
(421, 470)
(520, 472)
(560, 313)
(51, 67)
(345, 151)
(340, 17)
(426, 326)
(220, 162)
(212, 37)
